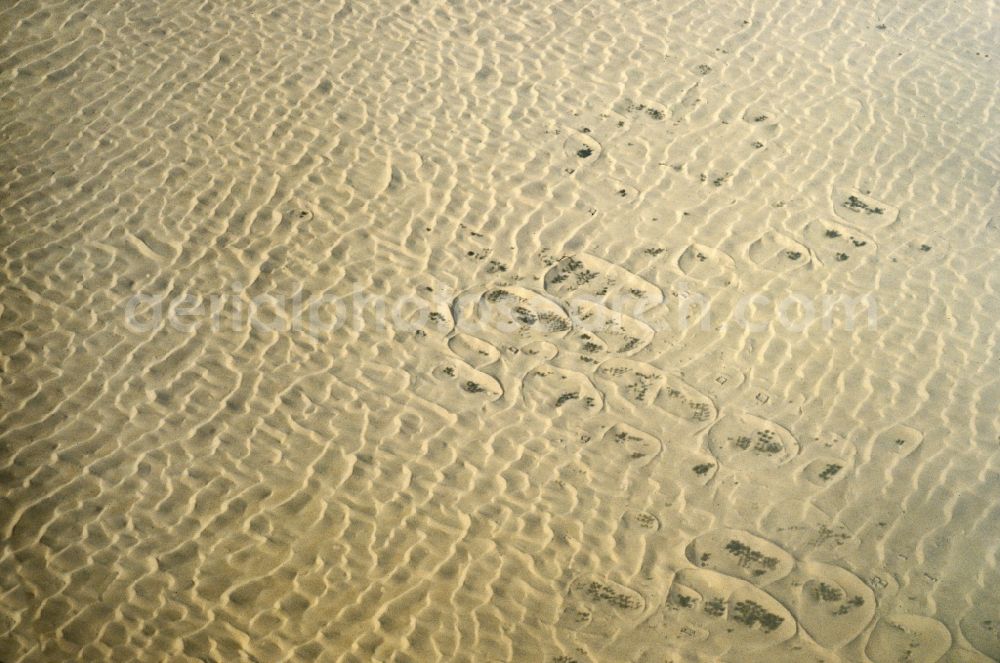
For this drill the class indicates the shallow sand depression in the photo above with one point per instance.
(588, 331)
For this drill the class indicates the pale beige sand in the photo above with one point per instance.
(545, 492)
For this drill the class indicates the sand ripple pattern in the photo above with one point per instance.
(544, 489)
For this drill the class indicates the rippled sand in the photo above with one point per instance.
(670, 485)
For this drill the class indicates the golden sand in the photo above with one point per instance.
(584, 401)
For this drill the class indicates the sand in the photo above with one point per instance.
(595, 422)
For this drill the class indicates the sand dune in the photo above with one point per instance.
(570, 332)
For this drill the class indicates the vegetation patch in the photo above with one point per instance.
(749, 613)
(858, 205)
(748, 557)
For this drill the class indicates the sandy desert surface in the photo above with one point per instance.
(572, 332)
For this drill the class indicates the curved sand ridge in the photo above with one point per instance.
(567, 445)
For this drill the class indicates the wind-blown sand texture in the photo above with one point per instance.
(544, 491)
